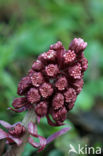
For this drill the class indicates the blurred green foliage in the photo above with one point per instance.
(28, 27)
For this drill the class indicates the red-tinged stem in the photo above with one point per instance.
(15, 150)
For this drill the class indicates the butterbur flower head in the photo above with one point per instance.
(59, 115)
(54, 81)
(78, 85)
(33, 95)
(46, 90)
(18, 130)
(37, 79)
(14, 132)
(49, 56)
(41, 108)
(19, 102)
(70, 95)
(78, 45)
(58, 101)
(51, 70)
(23, 85)
(75, 71)
(56, 46)
(69, 56)
(61, 83)
(37, 65)
(50, 89)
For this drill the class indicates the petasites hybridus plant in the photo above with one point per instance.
(48, 90)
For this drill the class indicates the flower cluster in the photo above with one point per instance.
(50, 88)
(54, 81)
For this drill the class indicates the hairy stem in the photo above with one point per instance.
(15, 150)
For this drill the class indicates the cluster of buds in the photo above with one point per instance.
(15, 132)
(54, 81)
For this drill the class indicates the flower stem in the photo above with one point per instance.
(15, 150)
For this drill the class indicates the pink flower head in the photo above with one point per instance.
(19, 102)
(33, 95)
(37, 65)
(59, 115)
(49, 56)
(17, 131)
(75, 71)
(61, 83)
(78, 85)
(58, 101)
(23, 85)
(14, 132)
(37, 79)
(41, 109)
(84, 63)
(78, 45)
(70, 95)
(69, 56)
(51, 70)
(54, 81)
(46, 90)
(56, 46)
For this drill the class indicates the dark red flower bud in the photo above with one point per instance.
(78, 45)
(41, 108)
(56, 46)
(58, 101)
(61, 83)
(37, 79)
(46, 90)
(75, 71)
(49, 56)
(78, 85)
(18, 130)
(59, 115)
(23, 85)
(33, 95)
(37, 65)
(84, 64)
(19, 102)
(70, 95)
(51, 70)
(69, 56)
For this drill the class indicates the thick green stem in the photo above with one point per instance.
(15, 150)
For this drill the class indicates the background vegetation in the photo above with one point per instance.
(27, 28)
